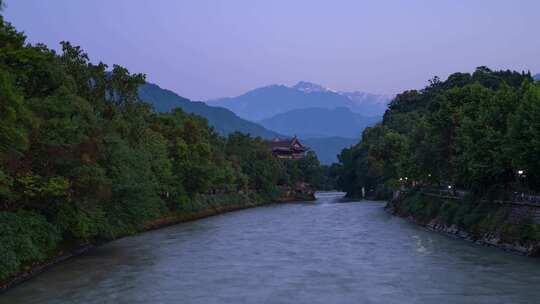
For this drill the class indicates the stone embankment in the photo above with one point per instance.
(518, 211)
(491, 239)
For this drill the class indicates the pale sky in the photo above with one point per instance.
(205, 49)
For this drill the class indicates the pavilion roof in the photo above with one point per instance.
(287, 143)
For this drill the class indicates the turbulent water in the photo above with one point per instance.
(321, 252)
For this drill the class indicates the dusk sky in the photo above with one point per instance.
(207, 49)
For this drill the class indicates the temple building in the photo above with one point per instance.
(290, 148)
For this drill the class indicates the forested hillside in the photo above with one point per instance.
(83, 160)
(473, 131)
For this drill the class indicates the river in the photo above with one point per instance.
(316, 252)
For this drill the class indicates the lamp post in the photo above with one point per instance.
(451, 190)
(521, 178)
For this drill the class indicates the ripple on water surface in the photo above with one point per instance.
(314, 252)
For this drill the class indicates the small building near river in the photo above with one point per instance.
(290, 148)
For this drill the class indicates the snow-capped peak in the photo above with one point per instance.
(356, 97)
(309, 87)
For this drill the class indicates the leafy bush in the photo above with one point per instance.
(84, 222)
(494, 220)
(448, 212)
(26, 237)
(528, 230)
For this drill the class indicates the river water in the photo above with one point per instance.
(316, 252)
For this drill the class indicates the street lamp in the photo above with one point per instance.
(451, 190)
(521, 178)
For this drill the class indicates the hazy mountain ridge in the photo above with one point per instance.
(309, 87)
(328, 120)
(223, 120)
(320, 122)
(328, 148)
(537, 76)
(266, 102)
(373, 104)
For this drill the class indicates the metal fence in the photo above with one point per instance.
(525, 198)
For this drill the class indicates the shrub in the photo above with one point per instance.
(528, 230)
(26, 237)
(448, 212)
(83, 222)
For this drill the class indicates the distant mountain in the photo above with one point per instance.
(320, 140)
(536, 77)
(224, 121)
(370, 104)
(328, 148)
(308, 87)
(320, 122)
(266, 102)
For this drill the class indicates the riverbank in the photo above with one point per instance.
(209, 206)
(478, 221)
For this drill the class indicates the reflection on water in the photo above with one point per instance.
(321, 252)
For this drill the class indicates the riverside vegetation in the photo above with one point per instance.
(476, 132)
(83, 160)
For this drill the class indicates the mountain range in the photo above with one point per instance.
(536, 77)
(268, 101)
(322, 118)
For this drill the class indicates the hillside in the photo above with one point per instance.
(320, 122)
(266, 102)
(224, 121)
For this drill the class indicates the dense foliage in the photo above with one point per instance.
(474, 131)
(82, 159)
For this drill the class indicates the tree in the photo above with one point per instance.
(524, 135)
(14, 117)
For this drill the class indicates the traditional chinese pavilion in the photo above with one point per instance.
(290, 148)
